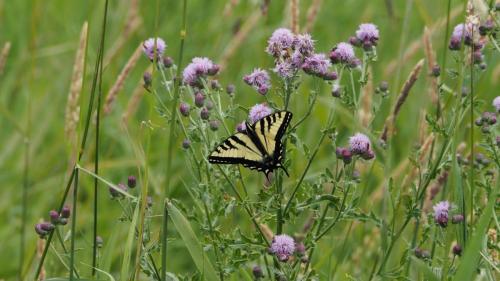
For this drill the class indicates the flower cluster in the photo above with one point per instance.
(359, 145)
(259, 80)
(56, 218)
(486, 120)
(462, 33)
(283, 246)
(198, 69)
(149, 49)
(294, 52)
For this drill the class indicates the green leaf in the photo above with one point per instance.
(192, 243)
(469, 262)
(124, 274)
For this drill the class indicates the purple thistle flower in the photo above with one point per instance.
(316, 64)
(461, 32)
(367, 34)
(343, 53)
(284, 69)
(280, 40)
(54, 216)
(132, 181)
(199, 99)
(259, 111)
(496, 103)
(359, 144)
(44, 228)
(149, 47)
(65, 212)
(441, 213)
(241, 127)
(197, 69)
(283, 246)
(304, 44)
(259, 79)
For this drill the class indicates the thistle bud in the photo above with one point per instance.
(199, 99)
(99, 241)
(186, 144)
(230, 89)
(457, 219)
(214, 125)
(65, 212)
(148, 79)
(436, 70)
(457, 250)
(184, 109)
(204, 114)
(131, 181)
(257, 272)
(168, 62)
(54, 216)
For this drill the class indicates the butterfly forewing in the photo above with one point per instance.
(261, 141)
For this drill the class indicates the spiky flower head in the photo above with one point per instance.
(462, 33)
(317, 65)
(259, 111)
(360, 144)
(284, 69)
(283, 246)
(259, 79)
(149, 47)
(241, 127)
(304, 44)
(368, 35)
(343, 53)
(441, 210)
(281, 40)
(199, 68)
(496, 103)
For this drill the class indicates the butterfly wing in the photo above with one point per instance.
(270, 130)
(238, 149)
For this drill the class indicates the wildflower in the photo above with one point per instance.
(457, 250)
(186, 144)
(461, 31)
(343, 53)
(65, 212)
(184, 109)
(280, 40)
(368, 35)
(204, 113)
(199, 99)
(441, 213)
(336, 91)
(489, 118)
(486, 27)
(149, 47)
(316, 64)
(283, 247)
(359, 144)
(209, 105)
(457, 219)
(215, 85)
(496, 103)
(131, 181)
(344, 154)
(198, 68)
(331, 75)
(168, 62)
(230, 89)
(214, 125)
(42, 229)
(259, 111)
(259, 80)
(284, 69)
(257, 272)
(300, 248)
(436, 70)
(304, 44)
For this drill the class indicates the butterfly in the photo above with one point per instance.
(259, 147)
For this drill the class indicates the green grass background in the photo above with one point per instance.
(44, 37)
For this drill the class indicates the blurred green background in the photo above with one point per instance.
(44, 37)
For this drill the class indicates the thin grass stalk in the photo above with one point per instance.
(164, 237)
(3, 56)
(84, 138)
(24, 208)
(73, 228)
(404, 33)
(294, 11)
(96, 167)
(471, 124)
(312, 14)
(172, 124)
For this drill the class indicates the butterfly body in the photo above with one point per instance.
(259, 147)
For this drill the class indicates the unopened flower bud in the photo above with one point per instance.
(209, 105)
(230, 89)
(186, 144)
(457, 250)
(148, 79)
(184, 109)
(168, 62)
(131, 181)
(65, 212)
(199, 99)
(436, 70)
(457, 219)
(54, 216)
(214, 125)
(215, 85)
(204, 113)
(257, 272)
(99, 241)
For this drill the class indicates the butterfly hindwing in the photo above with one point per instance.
(259, 148)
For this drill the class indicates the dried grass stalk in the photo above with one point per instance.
(405, 91)
(73, 104)
(415, 46)
(117, 87)
(268, 233)
(135, 99)
(431, 62)
(229, 7)
(365, 114)
(239, 38)
(3, 56)
(312, 14)
(294, 11)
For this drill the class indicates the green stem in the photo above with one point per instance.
(164, 242)
(212, 235)
(73, 228)
(171, 139)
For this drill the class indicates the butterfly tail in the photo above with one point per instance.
(286, 172)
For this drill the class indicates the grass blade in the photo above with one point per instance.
(192, 243)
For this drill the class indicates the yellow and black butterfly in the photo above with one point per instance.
(259, 147)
